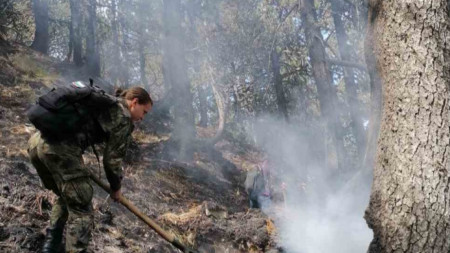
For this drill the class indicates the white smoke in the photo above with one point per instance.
(322, 213)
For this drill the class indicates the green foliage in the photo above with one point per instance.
(27, 65)
(228, 44)
(16, 21)
(32, 68)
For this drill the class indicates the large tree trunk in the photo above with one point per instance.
(92, 55)
(322, 76)
(175, 75)
(41, 36)
(409, 203)
(75, 19)
(349, 77)
(278, 84)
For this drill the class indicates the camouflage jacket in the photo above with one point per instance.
(113, 127)
(117, 127)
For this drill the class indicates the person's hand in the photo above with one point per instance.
(116, 195)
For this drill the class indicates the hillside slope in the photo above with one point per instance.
(203, 202)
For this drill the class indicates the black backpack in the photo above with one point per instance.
(65, 110)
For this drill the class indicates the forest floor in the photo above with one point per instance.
(203, 202)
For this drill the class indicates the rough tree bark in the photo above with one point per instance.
(409, 204)
(322, 76)
(75, 19)
(349, 77)
(41, 36)
(92, 55)
(175, 76)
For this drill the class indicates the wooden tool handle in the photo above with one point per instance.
(125, 202)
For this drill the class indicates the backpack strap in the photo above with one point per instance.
(88, 139)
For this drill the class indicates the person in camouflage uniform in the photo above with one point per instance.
(61, 169)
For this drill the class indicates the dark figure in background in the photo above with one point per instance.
(256, 185)
(61, 169)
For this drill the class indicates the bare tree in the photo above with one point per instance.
(409, 203)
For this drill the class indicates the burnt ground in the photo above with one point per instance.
(203, 203)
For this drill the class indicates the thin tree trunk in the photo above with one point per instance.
(322, 76)
(349, 78)
(70, 52)
(375, 96)
(201, 89)
(142, 68)
(175, 74)
(221, 109)
(409, 203)
(92, 55)
(236, 108)
(363, 10)
(116, 48)
(278, 84)
(203, 106)
(124, 71)
(236, 111)
(142, 14)
(75, 11)
(41, 35)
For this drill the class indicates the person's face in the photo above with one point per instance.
(137, 110)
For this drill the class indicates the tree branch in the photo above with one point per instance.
(347, 64)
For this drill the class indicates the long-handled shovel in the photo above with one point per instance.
(125, 202)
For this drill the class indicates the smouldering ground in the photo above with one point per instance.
(201, 202)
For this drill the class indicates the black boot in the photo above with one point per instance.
(53, 240)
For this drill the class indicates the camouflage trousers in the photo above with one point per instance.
(61, 169)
